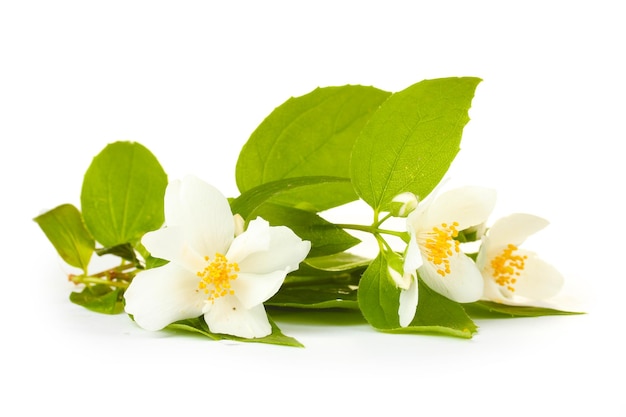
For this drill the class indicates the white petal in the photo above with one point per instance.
(413, 257)
(203, 213)
(513, 229)
(285, 252)
(254, 289)
(228, 316)
(158, 297)
(468, 206)
(402, 281)
(539, 280)
(255, 239)
(408, 304)
(169, 243)
(464, 283)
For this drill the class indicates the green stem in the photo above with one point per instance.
(81, 279)
(375, 230)
(119, 276)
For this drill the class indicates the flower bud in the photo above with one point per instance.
(403, 204)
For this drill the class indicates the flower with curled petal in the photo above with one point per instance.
(510, 273)
(212, 272)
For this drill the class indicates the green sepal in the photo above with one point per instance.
(326, 238)
(198, 325)
(100, 298)
(64, 228)
(122, 194)
(490, 309)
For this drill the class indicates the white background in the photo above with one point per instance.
(191, 80)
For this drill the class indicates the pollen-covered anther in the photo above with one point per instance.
(440, 245)
(216, 276)
(507, 266)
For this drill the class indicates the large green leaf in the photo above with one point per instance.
(311, 135)
(410, 142)
(122, 194)
(325, 237)
(66, 231)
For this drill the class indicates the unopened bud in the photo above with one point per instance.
(403, 204)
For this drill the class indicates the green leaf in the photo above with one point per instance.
(338, 262)
(489, 309)
(311, 135)
(437, 314)
(100, 298)
(317, 295)
(65, 229)
(325, 237)
(410, 142)
(319, 290)
(124, 251)
(122, 194)
(378, 296)
(250, 200)
(379, 300)
(198, 325)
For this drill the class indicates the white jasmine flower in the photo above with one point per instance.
(510, 272)
(211, 271)
(436, 255)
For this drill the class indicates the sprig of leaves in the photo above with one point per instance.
(312, 153)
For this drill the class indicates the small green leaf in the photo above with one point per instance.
(122, 194)
(489, 309)
(311, 135)
(100, 298)
(378, 296)
(250, 200)
(410, 142)
(198, 325)
(325, 237)
(66, 231)
(124, 251)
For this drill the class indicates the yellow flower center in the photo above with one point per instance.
(216, 276)
(507, 267)
(439, 245)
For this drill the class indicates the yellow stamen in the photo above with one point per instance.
(440, 245)
(216, 276)
(507, 266)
